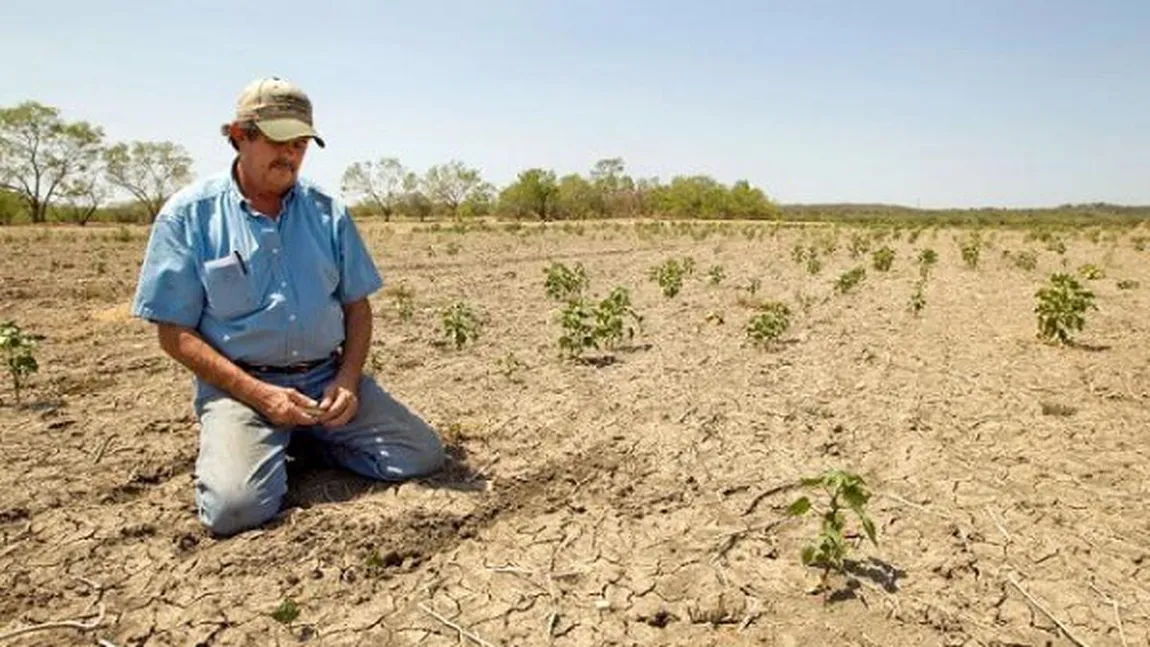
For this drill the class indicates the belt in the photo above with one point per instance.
(300, 367)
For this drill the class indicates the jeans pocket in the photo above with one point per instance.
(229, 291)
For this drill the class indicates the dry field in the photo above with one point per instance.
(640, 502)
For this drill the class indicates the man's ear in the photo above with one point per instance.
(236, 131)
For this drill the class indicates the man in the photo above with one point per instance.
(258, 282)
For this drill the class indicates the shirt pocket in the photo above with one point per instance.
(229, 287)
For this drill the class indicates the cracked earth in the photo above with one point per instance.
(639, 502)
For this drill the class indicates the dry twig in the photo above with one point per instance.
(1038, 605)
(997, 524)
(766, 493)
(463, 633)
(59, 624)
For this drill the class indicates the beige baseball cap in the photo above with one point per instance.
(279, 108)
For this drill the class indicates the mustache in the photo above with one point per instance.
(283, 164)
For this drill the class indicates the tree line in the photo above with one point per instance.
(55, 169)
(60, 170)
(49, 165)
(386, 188)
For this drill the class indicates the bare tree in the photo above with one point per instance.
(40, 152)
(379, 184)
(150, 171)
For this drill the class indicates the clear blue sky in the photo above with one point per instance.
(931, 102)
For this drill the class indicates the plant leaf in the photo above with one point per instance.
(868, 527)
(808, 555)
(799, 507)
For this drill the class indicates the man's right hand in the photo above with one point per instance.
(285, 407)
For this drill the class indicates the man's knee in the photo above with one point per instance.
(429, 454)
(234, 508)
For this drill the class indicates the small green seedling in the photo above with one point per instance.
(753, 286)
(844, 491)
(917, 299)
(564, 283)
(1061, 308)
(882, 259)
(286, 612)
(850, 279)
(716, 274)
(510, 366)
(404, 298)
(814, 263)
(610, 328)
(768, 326)
(670, 275)
(460, 325)
(927, 259)
(1127, 284)
(1091, 272)
(601, 326)
(1025, 260)
(971, 249)
(18, 347)
(858, 245)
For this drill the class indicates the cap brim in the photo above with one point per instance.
(282, 130)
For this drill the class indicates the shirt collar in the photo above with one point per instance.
(245, 204)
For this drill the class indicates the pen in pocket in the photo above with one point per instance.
(243, 268)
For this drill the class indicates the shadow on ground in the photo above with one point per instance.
(312, 482)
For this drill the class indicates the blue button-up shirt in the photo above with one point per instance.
(259, 290)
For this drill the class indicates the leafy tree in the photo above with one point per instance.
(10, 206)
(534, 193)
(40, 152)
(479, 202)
(150, 171)
(380, 184)
(414, 203)
(747, 202)
(615, 189)
(578, 199)
(451, 184)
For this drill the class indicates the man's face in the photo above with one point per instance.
(271, 166)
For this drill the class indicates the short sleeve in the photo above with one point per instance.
(169, 288)
(358, 276)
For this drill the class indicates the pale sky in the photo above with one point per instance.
(929, 102)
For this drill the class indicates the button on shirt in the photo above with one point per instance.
(259, 290)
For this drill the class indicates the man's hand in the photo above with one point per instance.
(340, 402)
(285, 407)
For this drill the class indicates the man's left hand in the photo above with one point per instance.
(340, 402)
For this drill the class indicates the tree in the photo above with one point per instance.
(479, 202)
(82, 195)
(576, 198)
(10, 206)
(747, 202)
(414, 203)
(451, 184)
(533, 193)
(150, 171)
(40, 152)
(379, 184)
(607, 174)
(693, 196)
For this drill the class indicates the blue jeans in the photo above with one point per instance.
(241, 475)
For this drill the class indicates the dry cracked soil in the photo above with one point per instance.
(637, 501)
